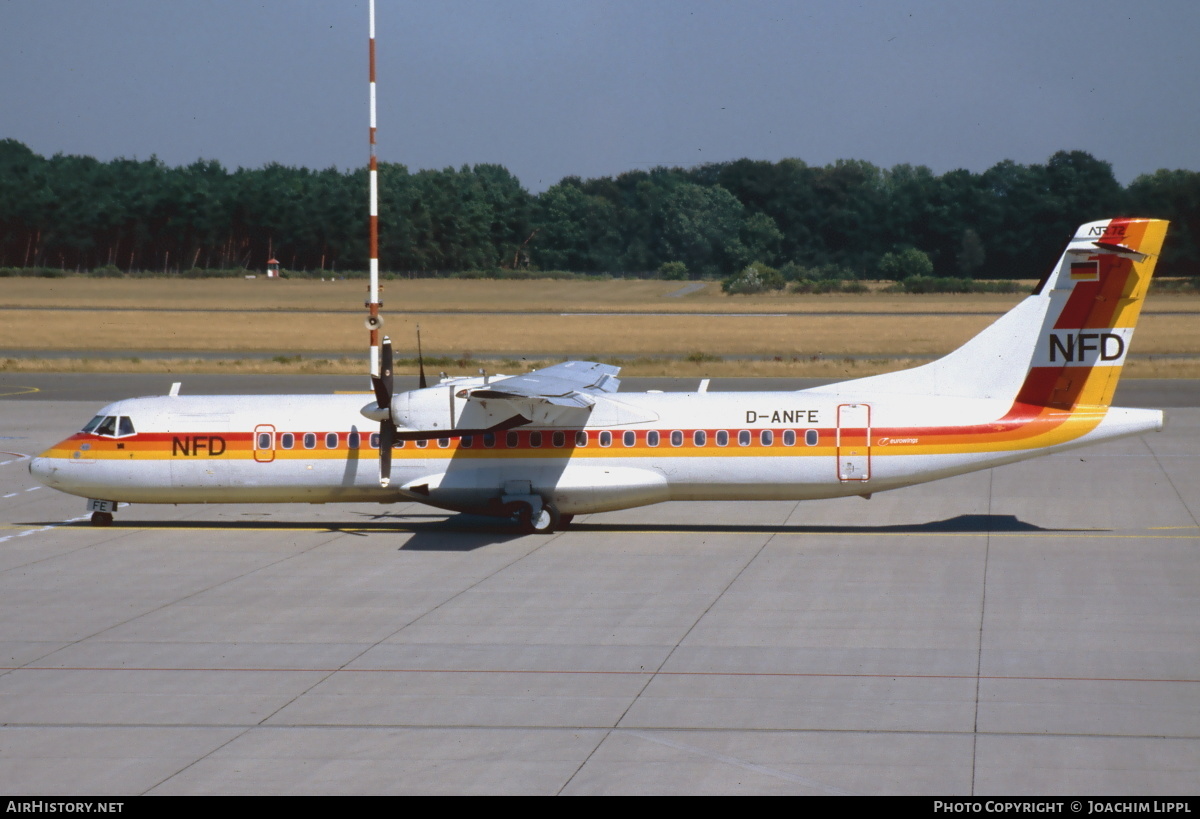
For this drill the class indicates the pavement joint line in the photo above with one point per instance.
(70, 525)
(605, 673)
(651, 676)
(740, 763)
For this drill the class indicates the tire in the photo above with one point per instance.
(545, 523)
(102, 518)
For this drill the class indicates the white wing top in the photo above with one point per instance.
(570, 384)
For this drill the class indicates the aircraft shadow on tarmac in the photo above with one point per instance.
(461, 533)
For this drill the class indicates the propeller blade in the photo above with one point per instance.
(387, 439)
(383, 384)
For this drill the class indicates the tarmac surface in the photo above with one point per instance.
(1032, 629)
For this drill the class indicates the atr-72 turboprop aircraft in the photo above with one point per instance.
(561, 441)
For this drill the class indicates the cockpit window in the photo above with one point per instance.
(112, 426)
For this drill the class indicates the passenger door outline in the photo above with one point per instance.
(854, 442)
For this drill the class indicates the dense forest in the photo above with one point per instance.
(850, 219)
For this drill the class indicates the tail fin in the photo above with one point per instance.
(1062, 347)
(1094, 296)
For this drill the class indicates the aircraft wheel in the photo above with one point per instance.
(102, 518)
(564, 521)
(546, 521)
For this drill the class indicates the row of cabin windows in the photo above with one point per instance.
(558, 439)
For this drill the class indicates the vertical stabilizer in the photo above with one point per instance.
(1095, 296)
(1062, 347)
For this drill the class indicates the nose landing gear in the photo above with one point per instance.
(102, 511)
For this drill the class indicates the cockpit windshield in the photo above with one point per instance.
(111, 426)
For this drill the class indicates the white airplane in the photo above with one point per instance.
(559, 442)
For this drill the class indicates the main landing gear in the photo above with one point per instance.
(531, 512)
(102, 518)
(544, 521)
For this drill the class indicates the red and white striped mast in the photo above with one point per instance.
(374, 321)
(381, 355)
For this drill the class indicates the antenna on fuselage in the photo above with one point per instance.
(420, 359)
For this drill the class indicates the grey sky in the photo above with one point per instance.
(556, 88)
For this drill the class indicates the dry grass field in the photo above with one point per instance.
(240, 324)
(454, 295)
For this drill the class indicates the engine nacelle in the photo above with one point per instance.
(431, 409)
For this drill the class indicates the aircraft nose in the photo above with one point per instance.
(43, 469)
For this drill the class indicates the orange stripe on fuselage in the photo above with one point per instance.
(1023, 427)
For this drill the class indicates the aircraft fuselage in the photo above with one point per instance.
(736, 446)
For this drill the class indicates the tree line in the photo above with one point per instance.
(849, 219)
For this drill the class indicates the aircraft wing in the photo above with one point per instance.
(561, 394)
(570, 384)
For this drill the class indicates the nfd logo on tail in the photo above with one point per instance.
(546, 446)
(1083, 347)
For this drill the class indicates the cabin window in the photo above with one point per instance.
(722, 437)
(789, 437)
(420, 444)
(560, 438)
(652, 438)
(374, 440)
(466, 442)
(811, 437)
(535, 439)
(677, 438)
(766, 437)
(489, 440)
(353, 440)
(581, 438)
(606, 438)
(629, 438)
(443, 442)
(287, 440)
(512, 439)
(699, 437)
(743, 437)
(331, 440)
(310, 440)
(264, 440)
